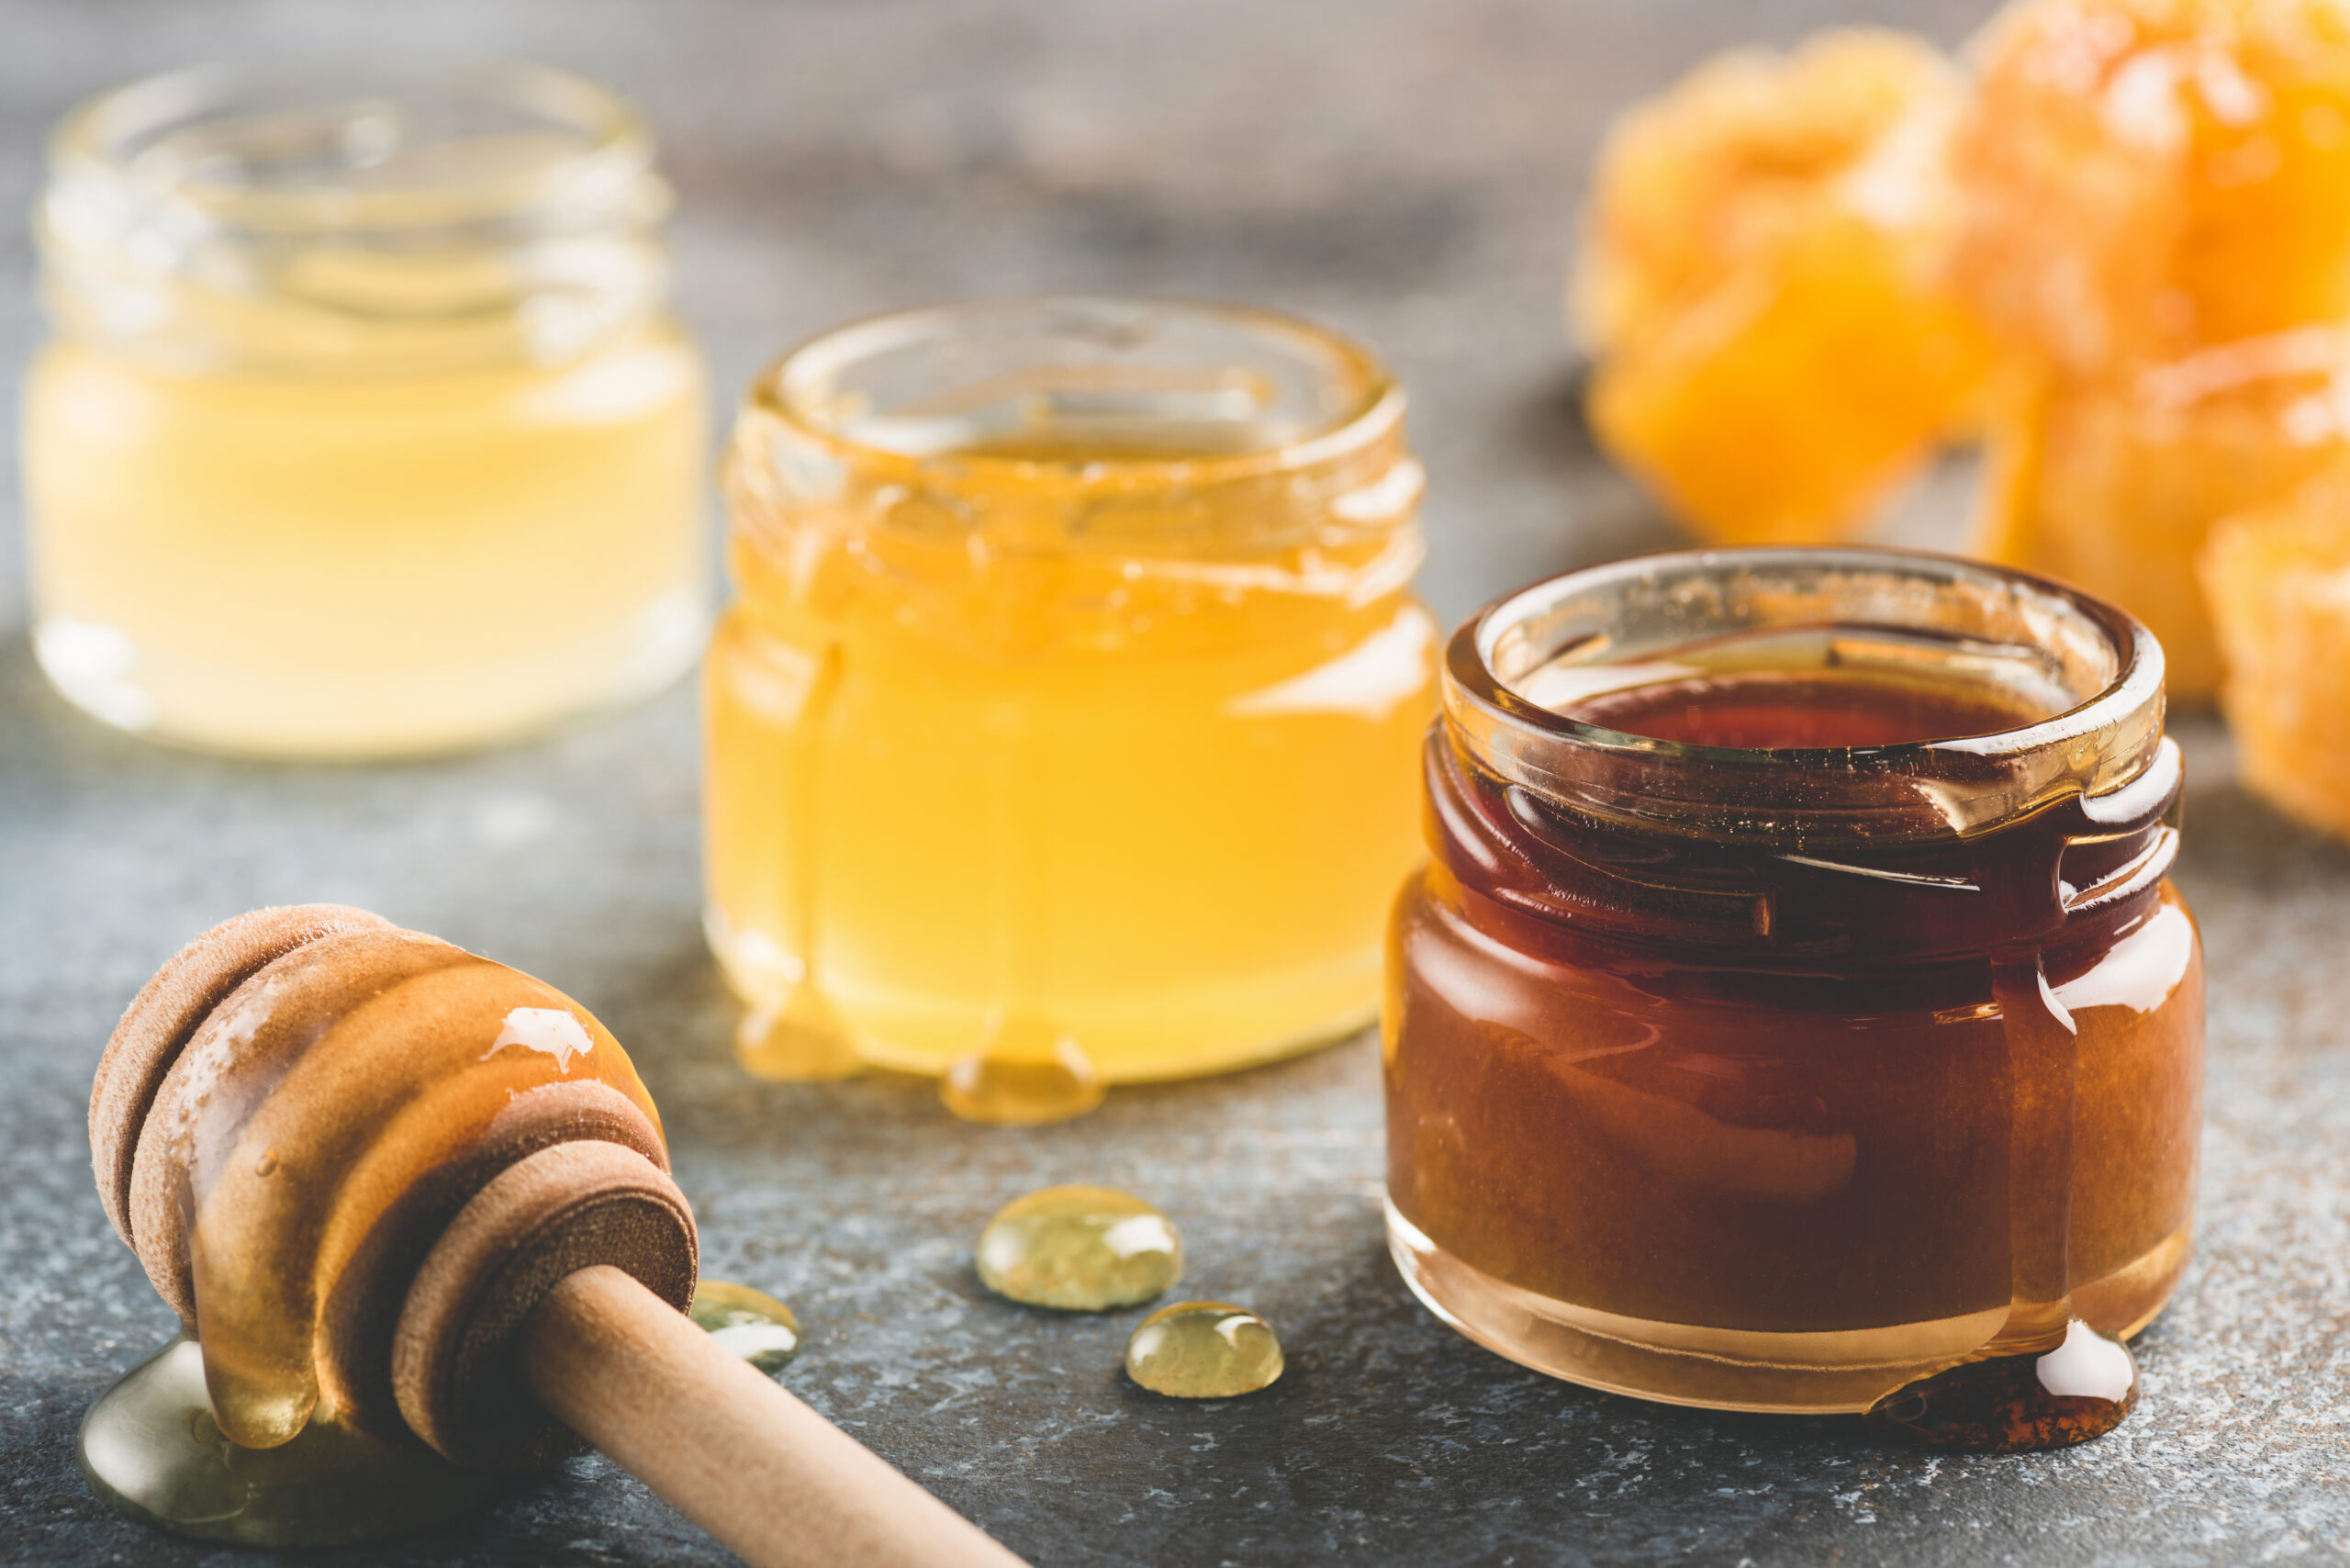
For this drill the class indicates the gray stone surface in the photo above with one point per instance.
(1404, 170)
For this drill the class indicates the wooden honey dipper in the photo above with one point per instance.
(388, 1181)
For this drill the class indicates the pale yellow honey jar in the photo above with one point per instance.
(1064, 729)
(363, 428)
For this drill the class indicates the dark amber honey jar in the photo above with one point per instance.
(1795, 1005)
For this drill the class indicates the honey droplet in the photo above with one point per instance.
(1079, 1250)
(752, 1324)
(150, 1449)
(1016, 1081)
(1204, 1350)
(801, 1042)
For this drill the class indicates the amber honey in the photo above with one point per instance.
(1780, 709)
(1066, 712)
(1795, 1007)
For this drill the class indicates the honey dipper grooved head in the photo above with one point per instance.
(306, 1100)
(542, 1219)
(167, 1011)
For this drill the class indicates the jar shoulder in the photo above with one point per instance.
(2146, 960)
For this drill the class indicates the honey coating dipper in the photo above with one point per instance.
(390, 1185)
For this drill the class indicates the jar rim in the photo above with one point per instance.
(2099, 745)
(113, 141)
(787, 390)
(353, 221)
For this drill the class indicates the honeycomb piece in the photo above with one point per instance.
(1759, 284)
(1788, 405)
(2113, 484)
(1741, 152)
(2143, 177)
(2279, 587)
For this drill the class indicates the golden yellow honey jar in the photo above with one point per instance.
(363, 428)
(1063, 730)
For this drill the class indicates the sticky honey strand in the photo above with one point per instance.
(323, 1125)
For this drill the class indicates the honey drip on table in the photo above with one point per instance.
(2018, 1404)
(1023, 1077)
(802, 1042)
(2047, 1380)
(750, 1323)
(1079, 1250)
(150, 1449)
(1204, 1350)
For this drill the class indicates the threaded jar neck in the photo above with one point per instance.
(356, 220)
(1086, 426)
(2094, 673)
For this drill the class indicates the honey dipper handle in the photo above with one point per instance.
(734, 1453)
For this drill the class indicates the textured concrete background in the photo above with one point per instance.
(1404, 170)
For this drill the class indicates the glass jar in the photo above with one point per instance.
(363, 428)
(1068, 709)
(1789, 1062)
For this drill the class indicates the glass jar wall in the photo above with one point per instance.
(1795, 1005)
(361, 429)
(1066, 713)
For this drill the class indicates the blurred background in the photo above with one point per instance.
(1404, 169)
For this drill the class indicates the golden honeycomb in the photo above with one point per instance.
(2114, 483)
(2143, 177)
(2279, 587)
(1759, 286)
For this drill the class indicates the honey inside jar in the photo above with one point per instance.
(363, 429)
(1807, 693)
(1068, 708)
(1795, 1007)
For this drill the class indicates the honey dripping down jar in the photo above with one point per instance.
(1063, 729)
(1795, 1014)
(363, 428)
